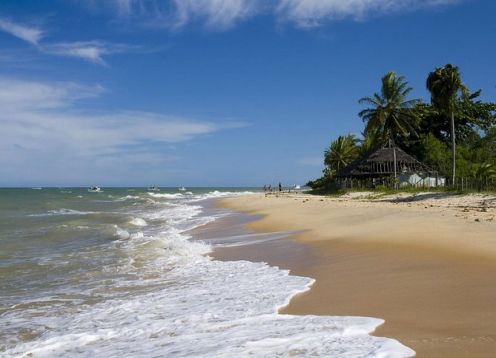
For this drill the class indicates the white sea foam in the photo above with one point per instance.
(121, 233)
(211, 309)
(128, 197)
(189, 305)
(63, 211)
(167, 196)
(138, 222)
(219, 194)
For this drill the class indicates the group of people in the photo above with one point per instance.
(268, 189)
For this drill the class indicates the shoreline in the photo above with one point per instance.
(429, 275)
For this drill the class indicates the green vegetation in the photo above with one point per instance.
(454, 134)
(391, 115)
(341, 153)
(444, 84)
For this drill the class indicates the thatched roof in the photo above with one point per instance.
(379, 162)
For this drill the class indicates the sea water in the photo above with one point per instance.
(115, 274)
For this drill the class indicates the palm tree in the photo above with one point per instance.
(482, 173)
(444, 83)
(367, 143)
(391, 115)
(341, 152)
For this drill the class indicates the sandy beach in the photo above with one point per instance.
(424, 263)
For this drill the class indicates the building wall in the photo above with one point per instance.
(414, 179)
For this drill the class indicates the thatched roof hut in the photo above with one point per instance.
(384, 161)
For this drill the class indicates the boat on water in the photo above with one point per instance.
(153, 189)
(182, 188)
(95, 189)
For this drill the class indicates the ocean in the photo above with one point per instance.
(117, 273)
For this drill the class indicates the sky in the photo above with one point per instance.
(212, 92)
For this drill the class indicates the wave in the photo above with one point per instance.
(121, 233)
(168, 297)
(129, 197)
(209, 308)
(63, 211)
(220, 194)
(138, 222)
(167, 196)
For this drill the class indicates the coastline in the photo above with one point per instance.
(425, 265)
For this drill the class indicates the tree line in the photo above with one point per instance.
(454, 134)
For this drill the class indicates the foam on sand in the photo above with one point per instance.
(212, 308)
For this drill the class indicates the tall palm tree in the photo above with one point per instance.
(390, 115)
(444, 83)
(341, 152)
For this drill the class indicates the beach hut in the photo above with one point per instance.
(388, 164)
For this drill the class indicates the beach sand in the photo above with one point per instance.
(425, 264)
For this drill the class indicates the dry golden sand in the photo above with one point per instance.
(425, 266)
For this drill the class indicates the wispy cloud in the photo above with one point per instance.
(32, 35)
(42, 123)
(311, 13)
(21, 96)
(224, 14)
(175, 14)
(218, 13)
(91, 51)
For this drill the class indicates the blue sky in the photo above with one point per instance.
(212, 92)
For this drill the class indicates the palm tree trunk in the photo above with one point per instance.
(453, 145)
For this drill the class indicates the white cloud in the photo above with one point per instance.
(226, 13)
(43, 132)
(217, 13)
(16, 95)
(92, 51)
(309, 13)
(178, 13)
(32, 35)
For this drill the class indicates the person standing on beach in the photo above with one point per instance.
(280, 187)
(265, 188)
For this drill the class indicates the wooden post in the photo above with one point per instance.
(453, 143)
(395, 169)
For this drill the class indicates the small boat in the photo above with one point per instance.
(182, 188)
(153, 188)
(95, 189)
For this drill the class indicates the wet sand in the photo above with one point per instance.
(428, 272)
